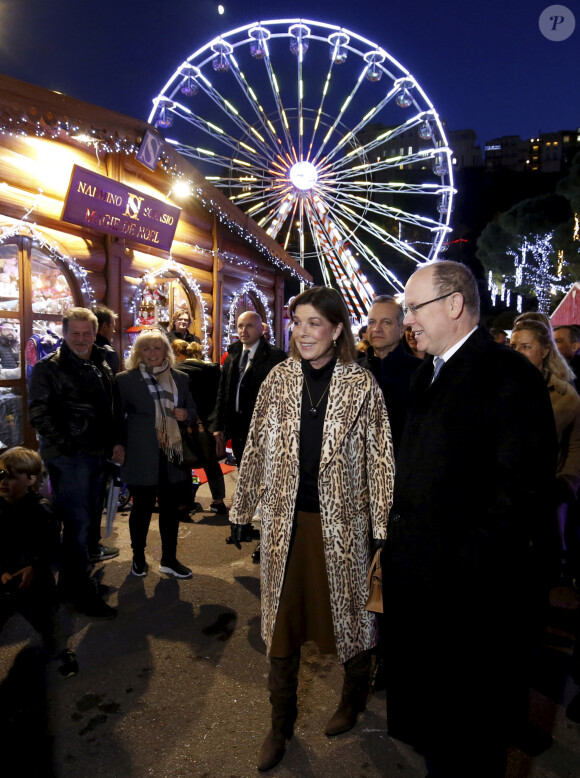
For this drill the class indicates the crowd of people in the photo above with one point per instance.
(431, 441)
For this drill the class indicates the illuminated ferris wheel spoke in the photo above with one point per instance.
(378, 264)
(272, 203)
(338, 120)
(420, 119)
(300, 97)
(384, 236)
(268, 129)
(343, 255)
(279, 106)
(368, 206)
(319, 112)
(366, 120)
(238, 149)
(339, 154)
(322, 230)
(323, 248)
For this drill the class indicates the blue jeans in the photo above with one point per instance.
(77, 483)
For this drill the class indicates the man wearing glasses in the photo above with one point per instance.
(473, 472)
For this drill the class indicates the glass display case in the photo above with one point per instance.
(35, 290)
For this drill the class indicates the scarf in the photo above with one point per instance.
(164, 393)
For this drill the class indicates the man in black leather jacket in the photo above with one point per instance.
(71, 407)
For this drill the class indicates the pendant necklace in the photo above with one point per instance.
(313, 410)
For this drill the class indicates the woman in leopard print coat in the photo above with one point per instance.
(319, 442)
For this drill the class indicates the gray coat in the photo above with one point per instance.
(138, 435)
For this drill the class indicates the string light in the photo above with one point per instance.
(248, 287)
(533, 269)
(25, 228)
(169, 163)
(172, 267)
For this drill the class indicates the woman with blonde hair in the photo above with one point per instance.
(532, 338)
(154, 400)
(319, 463)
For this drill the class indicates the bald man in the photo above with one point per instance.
(248, 363)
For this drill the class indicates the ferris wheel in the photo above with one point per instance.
(325, 140)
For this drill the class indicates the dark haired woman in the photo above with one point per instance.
(319, 462)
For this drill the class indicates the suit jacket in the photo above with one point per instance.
(137, 430)
(354, 485)
(472, 486)
(225, 418)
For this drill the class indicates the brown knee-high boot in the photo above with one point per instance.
(354, 694)
(282, 684)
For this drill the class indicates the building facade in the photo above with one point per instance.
(74, 198)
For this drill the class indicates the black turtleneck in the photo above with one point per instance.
(311, 432)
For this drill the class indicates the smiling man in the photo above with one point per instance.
(473, 470)
(71, 407)
(388, 361)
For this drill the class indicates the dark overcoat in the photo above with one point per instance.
(137, 433)
(393, 374)
(472, 480)
(204, 379)
(225, 418)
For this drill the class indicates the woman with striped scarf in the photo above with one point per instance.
(154, 401)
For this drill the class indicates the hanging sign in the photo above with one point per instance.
(150, 149)
(107, 206)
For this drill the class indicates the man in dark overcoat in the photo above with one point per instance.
(388, 361)
(248, 363)
(473, 474)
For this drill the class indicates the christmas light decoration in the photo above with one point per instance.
(318, 161)
(170, 162)
(172, 269)
(248, 287)
(70, 263)
(537, 268)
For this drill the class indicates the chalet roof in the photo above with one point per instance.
(26, 109)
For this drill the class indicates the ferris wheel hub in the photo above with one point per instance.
(304, 175)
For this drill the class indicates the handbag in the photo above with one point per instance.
(192, 446)
(375, 584)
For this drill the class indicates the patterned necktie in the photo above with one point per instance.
(437, 365)
(241, 370)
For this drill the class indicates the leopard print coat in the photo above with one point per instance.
(355, 490)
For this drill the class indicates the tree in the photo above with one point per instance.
(530, 249)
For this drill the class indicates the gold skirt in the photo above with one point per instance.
(304, 611)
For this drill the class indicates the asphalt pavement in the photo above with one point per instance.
(175, 686)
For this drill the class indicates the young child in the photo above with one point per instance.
(28, 535)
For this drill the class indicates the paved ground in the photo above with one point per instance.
(175, 686)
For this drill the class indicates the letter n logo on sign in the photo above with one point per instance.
(150, 150)
(133, 206)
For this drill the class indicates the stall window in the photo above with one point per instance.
(9, 278)
(160, 300)
(35, 291)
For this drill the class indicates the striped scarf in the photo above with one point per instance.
(164, 393)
